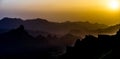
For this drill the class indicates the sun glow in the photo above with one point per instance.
(114, 4)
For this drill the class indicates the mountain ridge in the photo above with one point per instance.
(39, 24)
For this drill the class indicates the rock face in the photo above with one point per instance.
(103, 47)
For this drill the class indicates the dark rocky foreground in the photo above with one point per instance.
(18, 43)
(103, 47)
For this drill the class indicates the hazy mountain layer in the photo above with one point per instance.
(38, 26)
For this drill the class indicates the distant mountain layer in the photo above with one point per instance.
(110, 30)
(46, 26)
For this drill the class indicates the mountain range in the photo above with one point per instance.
(17, 43)
(39, 38)
(110, 30)
(42, 26)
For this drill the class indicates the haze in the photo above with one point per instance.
(94, 11)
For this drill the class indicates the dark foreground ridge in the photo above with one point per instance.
(103, 47)
(17, 43)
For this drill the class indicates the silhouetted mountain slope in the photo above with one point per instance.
(17, 34)
(103, 47)
(3, 31)
(10, 23)
(109, 30)
(46, 26)
(107, 55)
(68, 39)
(37, 33)
(18, 43)
(82, 33)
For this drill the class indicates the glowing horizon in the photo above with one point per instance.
(100, 11)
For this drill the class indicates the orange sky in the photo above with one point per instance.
(101, 11)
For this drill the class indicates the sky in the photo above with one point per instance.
(95, 11)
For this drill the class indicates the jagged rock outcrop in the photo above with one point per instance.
(103, 47)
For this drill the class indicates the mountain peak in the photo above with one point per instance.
(19, 33)
(9, 19)
(21, 27)
(38, 20)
